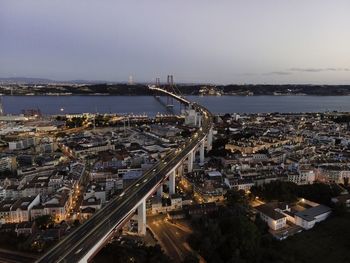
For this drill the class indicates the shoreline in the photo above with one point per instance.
(149, 95)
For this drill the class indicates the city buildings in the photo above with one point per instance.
(70, 173)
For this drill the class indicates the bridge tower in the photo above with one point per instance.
(157, 82)
(170, 88)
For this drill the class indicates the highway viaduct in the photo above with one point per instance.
(84, 243)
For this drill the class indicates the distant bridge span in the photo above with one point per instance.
(175, 96)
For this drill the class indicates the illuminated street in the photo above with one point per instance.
(172, 238)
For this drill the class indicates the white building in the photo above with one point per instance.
(309, 217)
(239, 184)
(8, 163)
(5, 211)
(57, 207)
(89, 148)
(305, 214)
(22, 144)
(20, 210)
(343, 199)
(36, 211)
(302, 177)
(176, 201)
(97, 191)
(192, 118)
(11, 192)
(273, 218)
(91, 202)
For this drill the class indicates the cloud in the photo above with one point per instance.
(280, 73)
(315, 70)
(247, 74)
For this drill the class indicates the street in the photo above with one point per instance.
(9, 256)
(172, 238)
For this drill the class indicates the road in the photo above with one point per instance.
(78, 244)
(9, 256)
(173, 239)
(256, 202)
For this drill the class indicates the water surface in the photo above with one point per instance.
(150, 106)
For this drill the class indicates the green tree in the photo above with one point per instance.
(43, 222)
(6, 173)
(278, 190)
(340, 209)
(319, 192)
(192, 258)
(234, 197)
(226, 237)
(76, 223)
(261, 225)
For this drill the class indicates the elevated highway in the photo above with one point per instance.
(83, 243)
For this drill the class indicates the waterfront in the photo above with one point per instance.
(150, 106)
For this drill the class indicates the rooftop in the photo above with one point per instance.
(311, 213)
(270, 212)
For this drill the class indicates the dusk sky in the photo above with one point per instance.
(223, 41)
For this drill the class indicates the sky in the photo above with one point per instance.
(204, 41)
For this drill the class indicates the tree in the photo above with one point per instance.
(192, 258)
(219, 152)
(76, 223)
(277, 190)
(234, 197)
(261, 225)
(6, 173)
(131, 253)
(61, 134)
(75, 122)
(219, 143)
(319, 192)
(43, 222)
(186, 133)
(226, 237)
(289, 192)
(340, 209)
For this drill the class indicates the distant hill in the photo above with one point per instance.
(25, 80)
(42, 86)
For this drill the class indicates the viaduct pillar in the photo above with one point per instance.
(201, 153)
(141, 218)
(172, 182)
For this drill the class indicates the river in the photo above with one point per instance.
(150, 106)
